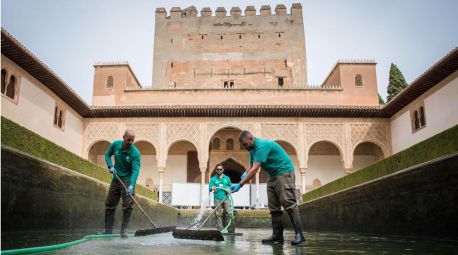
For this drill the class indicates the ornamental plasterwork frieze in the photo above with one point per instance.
(213, 128)
(369, 132)
(102, 131)
(188, 132)
(146, 132)
(325, 132)
(285, 132)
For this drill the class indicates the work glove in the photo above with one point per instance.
(112, 170)
(130, 190)
(243, 175)
(235, 187)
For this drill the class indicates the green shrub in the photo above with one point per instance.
(20, 138)
(439, 145)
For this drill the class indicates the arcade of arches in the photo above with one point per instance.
(188, 153)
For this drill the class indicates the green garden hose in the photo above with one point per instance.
(59, 246)
(232, 206)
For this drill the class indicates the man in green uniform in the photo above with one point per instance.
(127, 167)
(281, 185)
(220, 184)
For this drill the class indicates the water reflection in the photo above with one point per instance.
(248, 243)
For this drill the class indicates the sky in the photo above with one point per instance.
(70, 36)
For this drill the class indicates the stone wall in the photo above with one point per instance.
(419, 201)
(38, 195)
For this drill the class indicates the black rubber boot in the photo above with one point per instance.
(125, 223)
(277, 229)
(109, 222)
(295, 218)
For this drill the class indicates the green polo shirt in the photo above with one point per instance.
(224, 183)
(272, 157)
(127, 163)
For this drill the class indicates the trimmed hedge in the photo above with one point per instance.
(439, 145)
(20, 138)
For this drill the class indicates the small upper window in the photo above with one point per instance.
(59, 117)
(418, 118)
(216, 144)
(171, 41)
(10, 86)
(229, 144)
(3, 81)
(280, 81)
(171, 64)
(358, 80)
(110, 82)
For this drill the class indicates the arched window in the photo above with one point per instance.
(358, 80)
(11, 88)
(416, 120)
(55, 115)
(109, 82)
(59, 122)
(171, 64)
(216, 144)
(422, 116)
(3, 81)
(229, 144)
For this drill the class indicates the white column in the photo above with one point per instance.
(203, 170)
(161, 173)
(303, 180)
(258, 204)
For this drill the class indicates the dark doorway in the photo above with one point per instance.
(233, 170)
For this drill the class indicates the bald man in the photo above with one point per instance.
(272, 158)
(127, 167)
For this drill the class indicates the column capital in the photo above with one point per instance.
(160, 169)
(203, 169)
(348, 171)
(303, 170)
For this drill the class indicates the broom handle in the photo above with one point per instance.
(141, 209)
(212, 213)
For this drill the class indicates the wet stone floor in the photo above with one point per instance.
(248, 243)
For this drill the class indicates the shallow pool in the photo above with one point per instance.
(248, 243)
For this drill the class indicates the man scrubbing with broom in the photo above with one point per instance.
(270, 157)
(126, 168)
(220, 184)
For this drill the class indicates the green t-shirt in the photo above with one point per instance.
(224, 183)
(272, 157)
(127, 163)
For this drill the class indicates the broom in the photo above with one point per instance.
(144, 232)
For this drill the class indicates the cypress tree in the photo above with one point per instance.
(380, 100)
(396, 82)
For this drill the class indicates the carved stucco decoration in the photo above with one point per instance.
(188, 132)
(371, 132)
(285, 132)
(325, 132)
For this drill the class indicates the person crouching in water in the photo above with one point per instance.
(220, 184)
(271, 157)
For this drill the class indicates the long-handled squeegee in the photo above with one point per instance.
(145, 232)
(197, 234)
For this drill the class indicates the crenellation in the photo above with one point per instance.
(175, 12)
(220, 12)
(296, 9)
(206, 12)
(236, 12)
(250, 11)
(161, 12)
(280, 9)
(266, 10)
(191, 11)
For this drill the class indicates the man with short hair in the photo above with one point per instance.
(127, 166)
(270, 157)
(221, 184)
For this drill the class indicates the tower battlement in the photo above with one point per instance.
(258, 48)
(235, 12)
